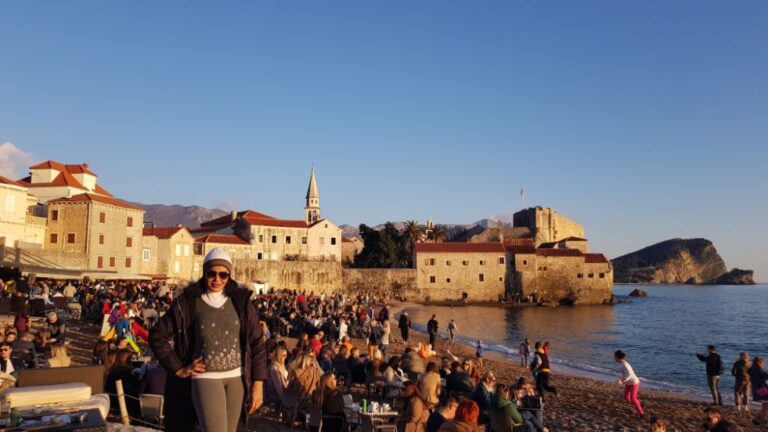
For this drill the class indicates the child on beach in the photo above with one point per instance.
(479, 353)
(629, 380)
(452, 329)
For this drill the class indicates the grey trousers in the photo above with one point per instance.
(218, 403)
(714, 387)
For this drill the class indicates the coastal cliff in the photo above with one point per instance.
(689, 261)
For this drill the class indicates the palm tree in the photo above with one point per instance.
(412, 234)
(437, 234)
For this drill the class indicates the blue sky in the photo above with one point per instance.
(642, 120)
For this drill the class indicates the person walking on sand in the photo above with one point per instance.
(524, 350)
(404, 324)
(741, 381)
(715, 368)
(479, 353)
(629, 380)
(432, 327)
(452, 329)
(540, 367)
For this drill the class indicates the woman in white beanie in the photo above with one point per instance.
(210, 343)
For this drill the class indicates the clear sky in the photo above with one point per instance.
(642, 120)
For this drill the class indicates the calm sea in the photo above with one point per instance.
(660, 333)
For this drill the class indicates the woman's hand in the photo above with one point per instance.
(196, 367)
(257, 396)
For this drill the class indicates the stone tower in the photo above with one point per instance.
(312, 208)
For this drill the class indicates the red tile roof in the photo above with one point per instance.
(8, 181)
(98, 198)
(227, 218)
(71, 168)
(101, 190)
(285, 223)
(520, 246)
(459, 248)
(221, 238)
(558, 252)
(595, 258)
(162, 232)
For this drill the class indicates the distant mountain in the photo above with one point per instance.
(172, 215)
(690, 261)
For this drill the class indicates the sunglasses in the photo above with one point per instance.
(210, 274)
(4, 349)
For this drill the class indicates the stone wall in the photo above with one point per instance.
(398, 281)
(547, 224)
(323, 276)
(446, 276)
(42, 260)
(566, 280)
(317, 276)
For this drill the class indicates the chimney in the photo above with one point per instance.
(501, 231)
(85, 165)
(234, 216)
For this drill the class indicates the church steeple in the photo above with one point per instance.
(312, 208)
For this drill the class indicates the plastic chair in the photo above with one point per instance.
(151, 407)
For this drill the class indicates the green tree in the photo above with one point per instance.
(382, 247)
(412, 234)
(437, 234)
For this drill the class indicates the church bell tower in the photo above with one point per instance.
(312, 208)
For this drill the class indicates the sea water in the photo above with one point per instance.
(661, 333)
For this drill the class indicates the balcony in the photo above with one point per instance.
(36, 220)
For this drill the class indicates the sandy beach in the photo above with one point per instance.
(586, 404)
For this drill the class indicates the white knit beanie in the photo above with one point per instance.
(217, 257)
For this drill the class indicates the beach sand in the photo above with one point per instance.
(589, 405)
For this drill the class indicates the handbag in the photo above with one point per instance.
(762, 391)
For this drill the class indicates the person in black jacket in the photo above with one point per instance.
(404, 324)
(714, 370)
(222, 385)
(432, 328)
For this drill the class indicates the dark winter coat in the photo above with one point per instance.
(172, 340)
(714, 363)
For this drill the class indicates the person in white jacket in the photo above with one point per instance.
(629, 380)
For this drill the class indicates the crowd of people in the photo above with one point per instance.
(223, 351)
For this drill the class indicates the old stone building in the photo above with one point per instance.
(516, 270)
(108, 230)
(448, 270)
(310, 239)
(547, 225)
(17, 225)
(168, 252)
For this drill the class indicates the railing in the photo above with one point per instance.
(36, 220)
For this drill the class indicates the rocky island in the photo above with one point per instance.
(678, 261)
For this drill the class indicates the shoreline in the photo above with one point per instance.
(586, 403)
